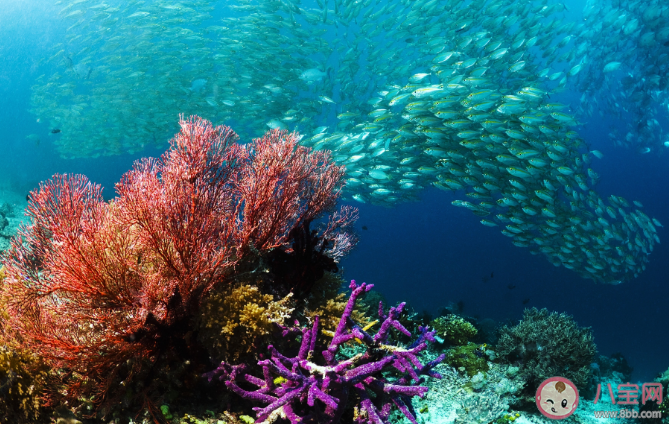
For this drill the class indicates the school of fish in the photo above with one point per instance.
(623, 48)
(406, 94)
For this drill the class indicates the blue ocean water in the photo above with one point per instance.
(428, 252)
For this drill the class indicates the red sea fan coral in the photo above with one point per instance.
(101, 289)
(300, 187)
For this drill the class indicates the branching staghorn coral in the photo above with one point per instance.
(328, 303)
(312, 393)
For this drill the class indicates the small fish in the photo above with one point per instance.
(364, 227)
(526, 301)
(347, 115)
(276, 124)
(611, 66)
(418, 77)
(326, 99)
(575, 70)
(55, 131)
(312, 75)
(426, 91)
(511, 286)
(517, 66)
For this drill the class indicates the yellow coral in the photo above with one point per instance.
(235, 319)
(22, 376)
(3, 313)
(239, 318)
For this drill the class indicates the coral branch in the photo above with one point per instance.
(107, 290)
(331, 383)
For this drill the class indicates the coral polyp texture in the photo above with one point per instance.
(109, 290)
(234, 320)
(454, 329)
(22, 375)
(545, 344)
(315, 393)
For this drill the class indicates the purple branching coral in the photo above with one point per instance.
(333, 383)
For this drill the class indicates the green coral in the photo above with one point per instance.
(507, 418)
(547, 344)
(664, 407)
(468, 359)
(454, 329)
(165, 409)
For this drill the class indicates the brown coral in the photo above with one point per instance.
(22, 377)
(236, 319)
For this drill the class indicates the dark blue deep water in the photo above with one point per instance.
(425, 252)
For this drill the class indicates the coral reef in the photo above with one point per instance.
(664, 409)
(443, 397)
(614, 363)
(22, 376)
(660, 412)
(236, 320)
(545, 344)
(663, 377)
(454, 329)
(305, 382)
(109, 291)
(490, 396)
(461, 399)
(328, 303)
(479, 409)
(469, 359)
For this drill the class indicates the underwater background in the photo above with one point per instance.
(423, 251)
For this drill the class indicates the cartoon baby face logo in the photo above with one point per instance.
(557, 398)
